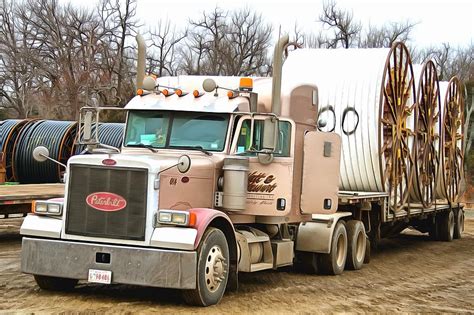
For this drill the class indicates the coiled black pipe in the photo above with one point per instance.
(109, 134)
(57, 137)
(9, 130)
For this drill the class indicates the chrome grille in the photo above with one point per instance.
(128, 183)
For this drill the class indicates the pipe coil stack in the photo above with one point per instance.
(18, 139)
(366, 96)
(109, 133)
(9, 131)
(57, 137)
(452, 141)
(427, 132)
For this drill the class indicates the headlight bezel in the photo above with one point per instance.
(48, 207)
(168, 217)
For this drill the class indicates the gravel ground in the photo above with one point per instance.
(408, 273)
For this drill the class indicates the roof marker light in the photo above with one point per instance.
(167, 92)
(180, 92)
(246, 84)
(196, 93)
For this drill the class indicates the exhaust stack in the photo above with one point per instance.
(277, 70)
(140, 61)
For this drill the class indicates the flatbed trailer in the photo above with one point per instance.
(17, 199)
(382, 221)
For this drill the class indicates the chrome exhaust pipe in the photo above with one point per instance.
(141, 61)
(277, 72)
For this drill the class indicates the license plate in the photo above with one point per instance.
(100, 276)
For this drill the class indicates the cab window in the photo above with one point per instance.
(284, 138)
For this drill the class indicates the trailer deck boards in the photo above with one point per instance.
(18, 198)
(351, 197)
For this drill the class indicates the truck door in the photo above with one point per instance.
(269, 189)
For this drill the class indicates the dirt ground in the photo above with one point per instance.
(409, 273)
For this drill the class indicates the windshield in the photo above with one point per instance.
(176, 129)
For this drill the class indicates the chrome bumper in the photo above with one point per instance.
(129, 265)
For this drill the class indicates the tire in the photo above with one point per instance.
(367, 251)
(356, 244)
(307, 262)
(433, 229)
(445, 225)
(459, 223)
(213, 257)
(55, 283)
(334, 262)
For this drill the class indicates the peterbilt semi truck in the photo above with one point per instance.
(237, 178)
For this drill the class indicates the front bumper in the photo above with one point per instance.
(129, 265)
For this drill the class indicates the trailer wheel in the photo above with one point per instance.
(459, 223)
(306, 262)
(445, 223)
(367, 250)
(212, 270)
(334, 262)
(356, 244)
(55, 283)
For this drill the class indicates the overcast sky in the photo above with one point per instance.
(450, 21)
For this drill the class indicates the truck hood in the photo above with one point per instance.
(153, 163)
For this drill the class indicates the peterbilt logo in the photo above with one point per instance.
(105, 201)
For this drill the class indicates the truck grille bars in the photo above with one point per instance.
(107, 202)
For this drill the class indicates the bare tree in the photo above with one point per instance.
(386, 35)
(345, 29)
(247, 42)
(212, 31)
(165, 41)
(17, 73)
(223, 43)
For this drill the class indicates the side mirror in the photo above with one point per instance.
(270, 132)
(87, 127)
(40, 154)
(209, 85)
(184, 163)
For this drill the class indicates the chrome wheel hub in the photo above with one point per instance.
(215, 268)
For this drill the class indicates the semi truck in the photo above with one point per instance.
(238, 178)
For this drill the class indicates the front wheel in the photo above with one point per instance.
(55, 283)
(212, 269)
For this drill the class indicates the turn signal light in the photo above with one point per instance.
(140, 92)
(231, 94)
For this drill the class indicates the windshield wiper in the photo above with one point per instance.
(142, 145)
(190, 147)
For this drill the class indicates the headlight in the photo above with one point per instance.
(54, 208)
(41, 207)
(164, 216)
(175, 217)
(48, 207)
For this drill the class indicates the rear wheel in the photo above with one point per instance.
(212, 269)
(55, 283)
(357, 243)
(459, 223)
(445, 225)
(334, 262)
